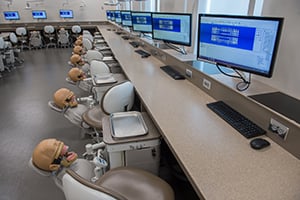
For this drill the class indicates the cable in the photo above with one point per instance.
(245, 83)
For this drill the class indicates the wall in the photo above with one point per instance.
(84, 10)
(287, 70)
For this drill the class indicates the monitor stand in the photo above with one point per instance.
(180, 49)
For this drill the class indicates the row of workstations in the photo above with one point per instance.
(218, 161)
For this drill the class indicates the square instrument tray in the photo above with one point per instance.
(127, 124)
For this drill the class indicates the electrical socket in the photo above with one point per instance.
(206, 83)
(188, 73)
(278, 128)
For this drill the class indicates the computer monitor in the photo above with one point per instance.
(11, 15)
(39, 14)
(172, 27)
(112, 15)
(65, 13)
(126, 18)
(108, 14)
(141, 21)
(245, 43)
(118, 18)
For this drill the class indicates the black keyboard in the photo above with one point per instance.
(242, 124)
(172, 72)
(143, 53)
(134, 44)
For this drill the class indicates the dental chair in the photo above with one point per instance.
(16, 49)
(76, 30)
(73, 177)
(35, 40)
(22, 33)
(118, 98)
(63, 38)
(103, 79)
(72, 108)
(50, 35)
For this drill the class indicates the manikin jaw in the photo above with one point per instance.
(71, 100)
(67, 157)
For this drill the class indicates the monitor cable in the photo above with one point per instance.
(240, 86)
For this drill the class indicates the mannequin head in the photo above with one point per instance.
(78, 42)
(76, 74)
(76, 60)
(51, 154)
(78, 50)
(64, 98)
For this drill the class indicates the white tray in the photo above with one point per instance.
(127, 124)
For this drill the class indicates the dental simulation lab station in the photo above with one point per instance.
(150, 99)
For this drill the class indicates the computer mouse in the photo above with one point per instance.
(259, 143)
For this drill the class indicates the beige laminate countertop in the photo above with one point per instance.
(217, 160)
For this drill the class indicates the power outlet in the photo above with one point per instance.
(278, 128)
(206, 83)
(188, 73)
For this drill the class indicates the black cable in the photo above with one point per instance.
(238, 85)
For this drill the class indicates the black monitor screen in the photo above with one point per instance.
(245, 43)
(108, 14)
(118, 17)
(141, 21)
(126, 18)
(39, 14)
(66, 13)
(172, 27)
(11, 15)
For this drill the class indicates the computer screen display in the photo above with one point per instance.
(108, 14)
(112, 15)
(172, 27)
(126, 18)
(245, 43)
(118, 18)
(141, 21)
(66, 13)
(39, 14)
(11, 15)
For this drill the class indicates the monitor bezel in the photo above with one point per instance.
(11, 12)
(66, 10)
(122, 19)
(44, 11)
(169, 40)
(140, 13)
(267, 74)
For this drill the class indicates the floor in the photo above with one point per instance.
(26, 119)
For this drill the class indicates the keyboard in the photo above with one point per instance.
(172, 72)
(134, 44)
(143, 53)
(242, 124)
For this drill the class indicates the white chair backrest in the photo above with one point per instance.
(1, 43)
(49, 29)
(88, 36)
(98, 67)
(87, 44)
(93, 55)
(78, 190)
(21, 31)
(13, 38)
(76, 29)
(7, 45)
(118, 98)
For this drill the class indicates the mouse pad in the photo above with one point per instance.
(281, 103)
